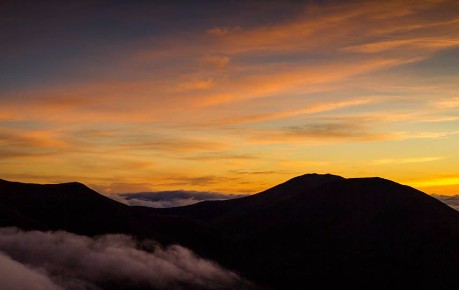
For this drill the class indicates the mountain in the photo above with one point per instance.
(75, 208)
(71, 206)
(330, 231)
(313, 231)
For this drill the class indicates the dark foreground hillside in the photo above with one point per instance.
(311, 232)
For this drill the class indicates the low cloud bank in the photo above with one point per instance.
(452, 201)
(163, 199)
(61, 260)
(15, 275)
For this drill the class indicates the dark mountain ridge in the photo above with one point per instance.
(46, 206)
(342, 231)
(76, 208)
(313, 231)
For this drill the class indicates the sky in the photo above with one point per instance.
(229, 96)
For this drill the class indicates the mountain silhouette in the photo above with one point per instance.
(311, 232)
(75, 208)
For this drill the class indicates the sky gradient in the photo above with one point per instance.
(229, 96)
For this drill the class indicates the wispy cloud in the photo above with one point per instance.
(319, 133)
(312, 109)
(216, 61)
(407, 160)
(426, 43)
(255, 172)
(436, 181)
(165, 199)
(220, 156)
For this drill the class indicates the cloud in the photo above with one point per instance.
(381, 46)
(43, 143)
(450, 103)
(335, 25)
(265, 172)
(199, 84)
(451, 200)
(436, 181)
(105, 262)
(18, 276)
(216, 61)
(203, 180)
(327, 130)
(407, 160)
(218, 31)
(318, 132)
(111, 187)
(311, 109)
(28, 144)
(140, 139)
(164, 199)
(341, 131)
(220, 156)
(277, 79)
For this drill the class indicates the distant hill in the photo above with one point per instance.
(311, 232)
(75, 208)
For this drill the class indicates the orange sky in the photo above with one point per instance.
(231, 97)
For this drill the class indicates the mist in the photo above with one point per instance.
(450, 200)
(173, 198)
(61, 260)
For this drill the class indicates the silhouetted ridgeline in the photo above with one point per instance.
(311, 232)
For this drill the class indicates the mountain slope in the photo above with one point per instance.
(340, 232)
(75, 208)
(213, 211)
(60, 206)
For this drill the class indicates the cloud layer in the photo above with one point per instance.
(163, 199)
(61, 260)
(18, 276)
(451, 200)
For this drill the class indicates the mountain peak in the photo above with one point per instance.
(67, 189)
(317, 176)
(308, 181)
(295, 186)
(70, 205)
(74, 185)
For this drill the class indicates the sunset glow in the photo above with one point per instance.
(229, 96)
